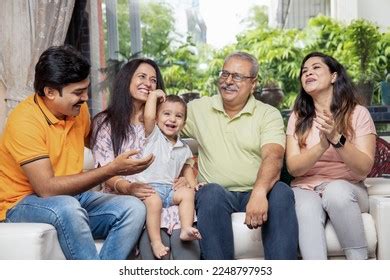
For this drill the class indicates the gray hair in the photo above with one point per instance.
(247, 57)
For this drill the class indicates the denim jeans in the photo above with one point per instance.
(214, 206)
(165, 191)
(80, 219)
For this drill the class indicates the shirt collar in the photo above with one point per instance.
(49, 116)
(249, 107)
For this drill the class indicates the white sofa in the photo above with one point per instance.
(39, 241)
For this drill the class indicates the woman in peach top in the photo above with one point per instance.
(330, 151)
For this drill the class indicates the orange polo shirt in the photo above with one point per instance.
(32, 132)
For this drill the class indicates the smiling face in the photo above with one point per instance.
(236, 93)
(143, 81)
(171, 119)
(316, 76)
(69, 102)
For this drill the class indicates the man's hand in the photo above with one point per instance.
(256, 209)
(180, 183)
(126, 164)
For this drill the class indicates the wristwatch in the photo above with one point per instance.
(341, 142)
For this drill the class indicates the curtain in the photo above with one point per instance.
(27, 28)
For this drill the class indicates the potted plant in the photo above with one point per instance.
(270, 92)
(269, 89)
(385, 90)
(362, 41)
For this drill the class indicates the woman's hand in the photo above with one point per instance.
(325, 124)
(180, 183)
(139, 190)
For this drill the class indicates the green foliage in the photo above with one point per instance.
(157, 25)
(257, 18)
(362, 37)
(188, 67)
(157, 28)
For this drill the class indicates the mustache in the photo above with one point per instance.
(79, 103)
(229, 87)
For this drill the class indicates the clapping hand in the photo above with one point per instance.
(325, 124)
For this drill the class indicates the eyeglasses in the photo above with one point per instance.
(223, 75)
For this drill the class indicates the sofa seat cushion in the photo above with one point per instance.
(248, 244)
(334, 248)
(29, 241)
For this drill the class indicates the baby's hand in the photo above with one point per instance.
(160, 95)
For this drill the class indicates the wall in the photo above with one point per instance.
(376, 11)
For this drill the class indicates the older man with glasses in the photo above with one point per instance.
(241, 148)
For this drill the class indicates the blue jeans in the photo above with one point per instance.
(165, 191)
(214, 206)
(80, 219)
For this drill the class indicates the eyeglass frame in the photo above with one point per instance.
(234, 76)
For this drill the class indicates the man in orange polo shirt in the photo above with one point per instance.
(41, 178)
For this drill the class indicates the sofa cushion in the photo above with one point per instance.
(29, 241)
(248, 244)
(334, 248)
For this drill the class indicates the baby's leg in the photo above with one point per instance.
(153, 219)
(185, 198)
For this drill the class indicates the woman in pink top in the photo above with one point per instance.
(330, 150)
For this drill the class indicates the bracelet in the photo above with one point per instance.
(116, 184)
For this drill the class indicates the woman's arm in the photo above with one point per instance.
(359, 157)
(298, 161)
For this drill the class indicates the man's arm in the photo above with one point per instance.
(44, 182)
(267, 176)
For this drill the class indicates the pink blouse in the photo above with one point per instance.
(103, 153)
(330, 166)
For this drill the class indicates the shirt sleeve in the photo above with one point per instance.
(189, 128)
(291, 124)
(189, 157)
(362, 122)
(272, 130)
(25, 139)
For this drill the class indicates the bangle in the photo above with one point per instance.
(116, 184)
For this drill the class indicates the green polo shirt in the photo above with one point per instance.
(229, 149)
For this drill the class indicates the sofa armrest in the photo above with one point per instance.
(380, 211)
(29, 241)
(378, 186)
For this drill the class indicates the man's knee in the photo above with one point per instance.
(210, 196)
(131, 205)
(281, 193)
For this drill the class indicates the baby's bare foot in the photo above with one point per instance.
(159, 250)
(190, 233)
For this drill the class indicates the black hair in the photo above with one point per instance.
(59, 66)
(342, 104)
